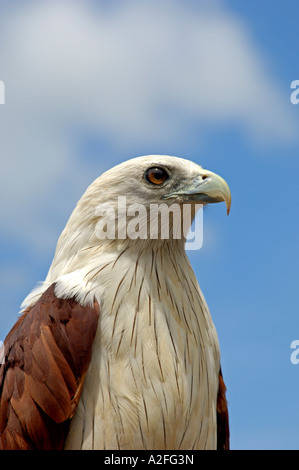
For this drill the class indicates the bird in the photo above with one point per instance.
(116, 349)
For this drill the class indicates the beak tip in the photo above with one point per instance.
(228, 208)
(219, 189)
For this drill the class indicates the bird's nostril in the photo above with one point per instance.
(204, 177)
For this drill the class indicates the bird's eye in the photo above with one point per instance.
(156, 175)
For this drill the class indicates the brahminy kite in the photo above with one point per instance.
(116, 349)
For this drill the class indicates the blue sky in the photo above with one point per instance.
(90, 84)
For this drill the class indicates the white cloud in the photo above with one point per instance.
(116, 70)
(134, 72)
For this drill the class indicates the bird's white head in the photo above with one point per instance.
(107, 210)
(115, 210)
(160, 178)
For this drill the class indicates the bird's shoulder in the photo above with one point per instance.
(46, 356)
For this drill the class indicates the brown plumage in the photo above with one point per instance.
(47, 354)
(222, 417)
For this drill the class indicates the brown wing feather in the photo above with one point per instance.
(222, 417)
(47, 354)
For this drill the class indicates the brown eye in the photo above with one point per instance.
(156, 175)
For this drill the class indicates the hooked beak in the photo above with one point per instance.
(206, 188)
